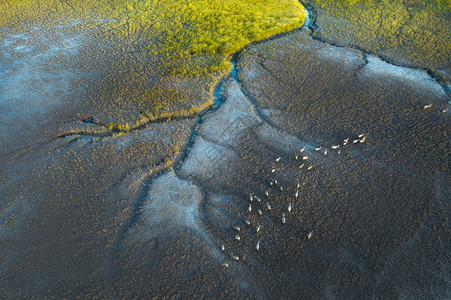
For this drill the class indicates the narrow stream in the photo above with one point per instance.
(219, 89)
(307, 19)
(234, 71)
(218, 95)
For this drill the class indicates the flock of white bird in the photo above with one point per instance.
(255, 205)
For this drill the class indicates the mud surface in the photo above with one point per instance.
(322, 172)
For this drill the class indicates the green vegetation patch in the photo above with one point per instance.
(185, 28)
(413, 32)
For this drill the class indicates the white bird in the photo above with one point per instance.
(247, 222)
(317, 149)
(325, 152)
(296, 157)
(237, 237)
(336, 147)
(237, 228)
(300, 167)
(281, 188)
(346, 140)
(355, 141)
(289, 207)
(259, 212)
(267, 194)
(235, 257)
(258, 198)
(271, 183)
(427, 106)
(258, 228)
(251, 197)
(249, 208)
(222, 247)
(305, 157)
(273, 170)
(339, 151)
(268, 205)
(302, 150)
(296, 194)
(309, 235)
(298, 185)
(361, 135)
(310, 167)
(275, 181)
(277, 159)
(225, 265)
(283, 218)
(257, 246)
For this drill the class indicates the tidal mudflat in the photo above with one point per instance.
(310, 170)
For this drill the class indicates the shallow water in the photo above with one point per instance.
(219, 89)
(307, 19)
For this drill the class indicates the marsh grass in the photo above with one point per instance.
(182, 29)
